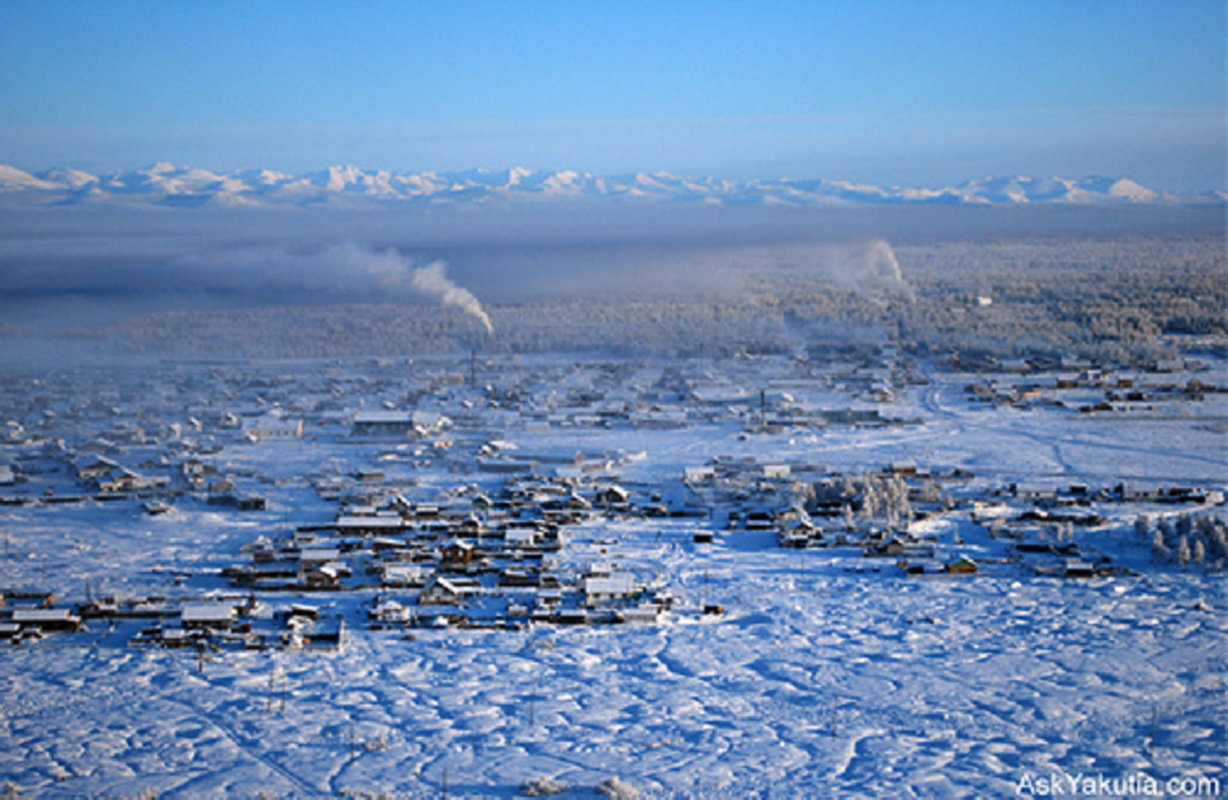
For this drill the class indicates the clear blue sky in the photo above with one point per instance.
(907, 92)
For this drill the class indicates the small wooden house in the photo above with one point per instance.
(615, 498)
(441, 592)
(892, 547)
(457, 555)
(326, 577)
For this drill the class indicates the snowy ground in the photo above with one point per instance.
(823, 677)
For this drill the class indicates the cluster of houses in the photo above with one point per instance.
(1091, 390)
(1076, 495)
(213, 623)
(500, 557)
(806, 507)
(32, 615)
(1028, 528)
(216, 624)
(478, 561)
(105, 479)
(1069, 364)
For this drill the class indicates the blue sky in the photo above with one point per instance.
(910, 92)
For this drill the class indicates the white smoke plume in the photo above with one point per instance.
(395, 270)
(882, 270)
(432, 281)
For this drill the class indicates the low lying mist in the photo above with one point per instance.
(472, 273)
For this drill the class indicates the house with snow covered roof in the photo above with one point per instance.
(457, 554)
(398, 424)
(97, 468)
(441, 591)
(45, 619)
(211, 616)
(271, 428)
(603, 589)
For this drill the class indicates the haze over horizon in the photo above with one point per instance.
(890, 92)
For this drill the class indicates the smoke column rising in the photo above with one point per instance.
(432, 281)
(882, 270)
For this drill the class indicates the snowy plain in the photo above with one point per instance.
(828, 674)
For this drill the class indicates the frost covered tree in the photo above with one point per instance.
(1219, 543)
(1183, 553)
(1165, 529)
(1159, 548)
(1142, 527)
(1199, 554)
(897, 496)
(871, 498)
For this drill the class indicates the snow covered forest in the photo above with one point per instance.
(1103, 299)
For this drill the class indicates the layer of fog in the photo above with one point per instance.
(83, 266)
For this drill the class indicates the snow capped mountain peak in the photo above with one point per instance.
(73, 178)
(1129, 190)
(167, 184)
(341, 177)
(15, 180)
(263, 177)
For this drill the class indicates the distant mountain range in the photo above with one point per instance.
(346, 186)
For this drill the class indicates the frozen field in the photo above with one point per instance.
(828, 673)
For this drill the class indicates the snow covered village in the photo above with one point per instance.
(721, 400)
(506, 575)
